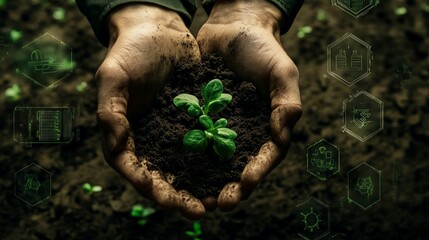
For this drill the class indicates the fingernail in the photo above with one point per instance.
(111, 141)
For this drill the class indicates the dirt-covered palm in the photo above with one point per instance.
(247, 35)
(146, 41)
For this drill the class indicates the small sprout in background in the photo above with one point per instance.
(13, 93)
(321, 15)
(15, 35)
(91, 188)
(425, 7)
(400, 11)
(81, 87)
(2, 3)
(214, 102)
(59, 14)
(196, 232)
(303, 31)
(141, 213)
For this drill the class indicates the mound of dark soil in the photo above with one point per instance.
(160, 133)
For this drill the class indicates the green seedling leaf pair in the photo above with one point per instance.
(141, 213)
(214, 102)
(88, 188)
(196, 232)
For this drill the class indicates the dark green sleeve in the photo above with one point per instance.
(97, 10)
(289, 8)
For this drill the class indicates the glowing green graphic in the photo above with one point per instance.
(311, 220)
(363, 116)
(32, 184)
(45, 61)
(43, 125)
(356, 8)
(364, 186)
(323, 159)
(314, 219)
(349, 59)
(360, 117)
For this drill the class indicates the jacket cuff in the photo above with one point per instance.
(289, 9)
(97, 10)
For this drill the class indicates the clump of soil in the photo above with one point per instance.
(160, 133)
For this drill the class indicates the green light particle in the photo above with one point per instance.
(2, 3)
(401, 11)
(15, 35)
(59, 14)
(13, 93)
(81, 87)
(311, 220)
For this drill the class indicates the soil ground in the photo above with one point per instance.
(400, 151)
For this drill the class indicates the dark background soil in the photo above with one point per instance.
(399, 151)
(159, 135)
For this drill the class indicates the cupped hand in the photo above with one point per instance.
(146, 41)
(247, 35)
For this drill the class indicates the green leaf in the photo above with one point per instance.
(221, 123)
(212, 91)
(227, 133)
(147, 212)
(217, 105)
(224, 147)
(189, 233)
(206, 121)
(97, 188)
(195, 140)
(137, 210)
(87, 187)
(189, 103)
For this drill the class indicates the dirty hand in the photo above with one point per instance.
(247, 35)
(145, 43)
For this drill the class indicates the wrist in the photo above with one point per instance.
(134, 15)
(260, 13)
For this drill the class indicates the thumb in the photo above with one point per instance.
(112, 84)
(285, 100)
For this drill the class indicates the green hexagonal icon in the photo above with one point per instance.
(364, 185)
(314, 219)
(356, 8)
(45, 61)
(323, 159)
(32, 184)
(363, 116)
(349, 59)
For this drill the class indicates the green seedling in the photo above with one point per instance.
(13, 93)
(196, 232)
(88, 188)
(303, 31)
(81, 87)
(214, 101)
(141, 213)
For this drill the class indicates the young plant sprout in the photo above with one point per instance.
(196, 232)
(87, 187)
(214, 101)
(141, 213)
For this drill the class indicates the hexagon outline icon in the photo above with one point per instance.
(358, 13)
(323, 205)
(349, 131)
(379, 185)
(329, 59)
(56, 82)
(308, 159)
(50, 187)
